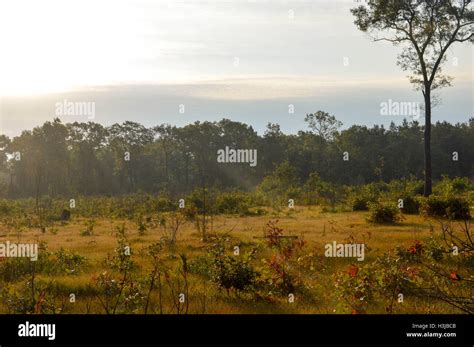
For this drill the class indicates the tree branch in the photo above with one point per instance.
(464, 39)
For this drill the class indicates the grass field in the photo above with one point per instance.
(155, 284)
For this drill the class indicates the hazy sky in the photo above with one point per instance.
(244, 60)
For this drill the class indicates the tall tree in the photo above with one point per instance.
(85, 140)
(426, 29)
(128, 141)
(323, 124)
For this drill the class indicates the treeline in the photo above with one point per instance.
(58, 159)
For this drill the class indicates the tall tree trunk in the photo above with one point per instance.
(427, 139)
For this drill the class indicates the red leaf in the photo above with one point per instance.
(454, 277)
(353, 270)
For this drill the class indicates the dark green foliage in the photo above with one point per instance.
(410, 205)
(435, 250)
(164, 204)
(317, 191)
(231, 272)
(361, 197)
(446, 207)
(227, 271)
(57, 263)
(12, 269)
(201, 265)
(455, 186)
(281, 185)
(232, 203)
(360, 203)
(67, 262)
(201, 200)
(383, 213)
(168, 163)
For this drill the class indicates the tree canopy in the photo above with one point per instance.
(90, 159)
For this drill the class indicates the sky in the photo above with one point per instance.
(178, 61)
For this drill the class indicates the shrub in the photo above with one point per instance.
(410, 205)
(68, 263)
(355, 288)
(201, 265)
(165, 204)
(448, 186)
(6, 207)
(359, 203)
(230, 272)
(21, 298)
(362, 288)
(317, 191)
(435, 250)
(232, 203)
(60, 262)
(282, 184)
(201, 200)
(281, 276)
(12, 269)
(412, 253)
(406, 186)
(450, 207)
(360, 199)
(383, 213)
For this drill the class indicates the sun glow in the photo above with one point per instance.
(56, 45)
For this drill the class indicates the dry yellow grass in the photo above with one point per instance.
(310, 223)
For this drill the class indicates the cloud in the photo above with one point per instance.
(251, 100)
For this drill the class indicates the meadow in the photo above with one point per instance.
(267, 260)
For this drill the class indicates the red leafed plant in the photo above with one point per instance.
(416, 247)
(353, 270)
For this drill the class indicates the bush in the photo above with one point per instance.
(57, 263)
(67, 262)
(360, 199)
(435, 250)
(282, 184)
(201, 265)
(448, 186)
(383, 213)
(164, 204)
(13, 269)
(410, 205)
(232, 203)
(360, 203)
(355, 288)
(202, 201)
(6, 207)
(406, 186)
(450, 207)
(230, 272)
(281, 276)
